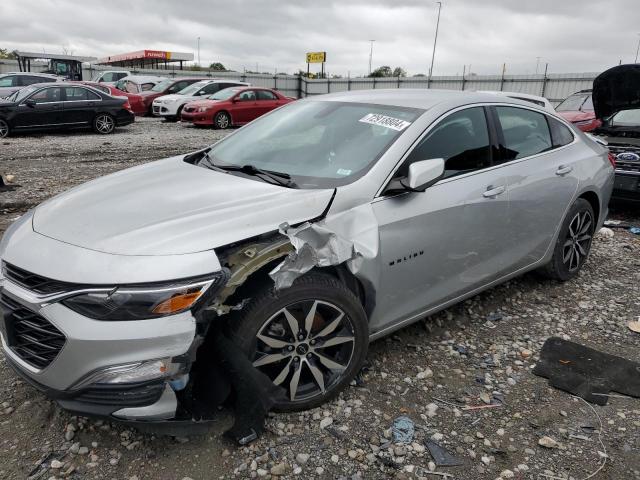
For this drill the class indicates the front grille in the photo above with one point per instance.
(35, 283)
(122, 395)
(627, 157)
(30, 336)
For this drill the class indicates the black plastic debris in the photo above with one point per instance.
(441, 456)
(494, 317)
(586, 372)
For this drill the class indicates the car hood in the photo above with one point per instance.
(616, 89)
(186, 98)
(579, 116)
(171, 207)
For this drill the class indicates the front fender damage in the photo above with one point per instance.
(346, 239)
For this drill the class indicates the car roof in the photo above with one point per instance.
(144, 78)
(33, 74)
(416, 97)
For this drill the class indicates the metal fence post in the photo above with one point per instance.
(275, 82)
(299, 86)
(502, 77)
(544, 80)
(348, 83)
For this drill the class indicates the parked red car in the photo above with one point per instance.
(167, 87)
(578, 109)
(135, 100)
(233, 106)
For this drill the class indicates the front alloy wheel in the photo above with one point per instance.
(104, 124)
(310, 339)
(222, 120)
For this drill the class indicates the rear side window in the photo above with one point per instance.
(560, 134)
(75, 94)
(9, 81)
(525, 132)
(461, 139)
(30, 80)
(266, 95)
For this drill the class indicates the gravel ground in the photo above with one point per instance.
(471, 354)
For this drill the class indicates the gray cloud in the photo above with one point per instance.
(571, 35)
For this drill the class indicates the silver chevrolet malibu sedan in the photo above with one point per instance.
(326, 224)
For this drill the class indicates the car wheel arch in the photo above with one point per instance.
(594, 200)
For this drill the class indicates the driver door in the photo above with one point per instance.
(245, 107)
(46, 112)
(450, 239)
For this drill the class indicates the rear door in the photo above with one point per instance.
(266, 101)
(540, 166)
(79, 105)
(47, 111)
(450, 239)
(245, 107)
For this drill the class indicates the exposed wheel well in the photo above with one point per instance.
(594, 201)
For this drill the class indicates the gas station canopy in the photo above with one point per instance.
(146, 59)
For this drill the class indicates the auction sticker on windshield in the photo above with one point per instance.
(385, 121)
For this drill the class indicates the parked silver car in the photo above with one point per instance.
(321, 226)
(14, 81)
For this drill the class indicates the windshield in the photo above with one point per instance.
(224, 94)
(193, 88)
(162, 86)
(320, 144)
(21, 94)
(626, 118)
(574, 103)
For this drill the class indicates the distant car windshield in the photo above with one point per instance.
(162, 86)
(575, 103)
(224, 94)
(626, 118)
(320, 144)
(193, 88)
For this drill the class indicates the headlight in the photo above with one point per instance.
(143, 302)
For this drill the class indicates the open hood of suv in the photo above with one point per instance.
(171, 207)
(616, 89)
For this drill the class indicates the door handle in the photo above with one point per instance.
(493, 192)
(564, 169)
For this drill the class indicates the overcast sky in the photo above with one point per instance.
(571, 35)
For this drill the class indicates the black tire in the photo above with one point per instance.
(171, 118)
(222, 120)
(5, 130)
(104, 124)
(263, 315)
(572, 248)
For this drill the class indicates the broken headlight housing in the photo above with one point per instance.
(143, 302)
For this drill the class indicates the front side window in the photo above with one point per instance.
(461, 139)
(146, 86)
(194, 88)
(525, 132)
(266, 95)
(209, 89)
(109, 77)
(320, 144)
(30, 80)
(48, 95)
(224, 94)
(164, 84)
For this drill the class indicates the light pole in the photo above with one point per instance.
(638, 49)
(435, 41)
(537, 64)
(370, 55)
(199, 51)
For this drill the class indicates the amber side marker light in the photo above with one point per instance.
(177, 303)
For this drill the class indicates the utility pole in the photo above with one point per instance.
(199, 64)
(435, 41)
(370, 55)
(638, 49)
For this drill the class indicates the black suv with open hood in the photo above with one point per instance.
(616, 101)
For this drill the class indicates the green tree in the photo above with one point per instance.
(384, 71)
(399, 72)
(217, 67)
(5, 53)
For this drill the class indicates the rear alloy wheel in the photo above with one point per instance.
(104, 124)
(222, 120)
(574, 242)
(4, 129)
(312, 343)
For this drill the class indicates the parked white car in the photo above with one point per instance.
(110, 77)
(525, 97)
(170, 106)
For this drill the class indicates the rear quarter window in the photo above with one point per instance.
(560, 134)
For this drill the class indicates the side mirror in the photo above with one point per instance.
(423, 174)
(30, 102)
